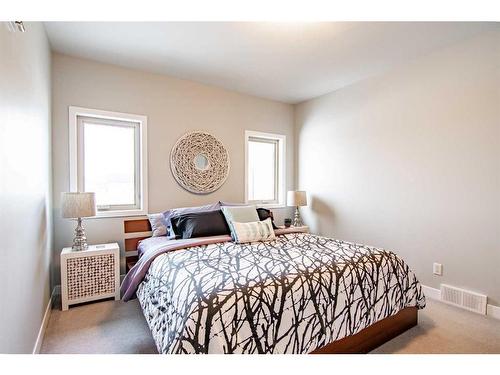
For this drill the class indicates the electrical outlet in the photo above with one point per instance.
(437, 269)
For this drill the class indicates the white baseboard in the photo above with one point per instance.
(493, 311)
(433, 293)
(43, 326)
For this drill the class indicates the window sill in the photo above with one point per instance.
(270, 205)
(122, 213)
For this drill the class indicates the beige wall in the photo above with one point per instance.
(25, 222)
(410, 161)
(173, 107)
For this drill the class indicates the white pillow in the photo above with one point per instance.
(253, 231)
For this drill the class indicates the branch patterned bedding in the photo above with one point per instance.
(291, 295)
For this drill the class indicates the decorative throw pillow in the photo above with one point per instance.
(158, 224)
(200, 224)
(169, 214)
(253, 231)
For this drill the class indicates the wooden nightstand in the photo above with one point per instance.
(90, 275)
(302, 229)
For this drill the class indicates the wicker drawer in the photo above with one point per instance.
(90, 275)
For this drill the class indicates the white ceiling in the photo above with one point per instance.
(288, 62)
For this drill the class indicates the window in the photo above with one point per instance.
(265, 168)
(108, 156)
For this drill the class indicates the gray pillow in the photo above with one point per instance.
(241, 214)
(263, 213)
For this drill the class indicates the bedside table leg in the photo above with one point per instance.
(64, 306)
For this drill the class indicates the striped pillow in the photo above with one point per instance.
(253, 231)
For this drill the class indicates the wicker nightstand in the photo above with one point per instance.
(90, 275)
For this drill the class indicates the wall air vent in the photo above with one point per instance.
(463, 298)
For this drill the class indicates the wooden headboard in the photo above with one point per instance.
(134, 230)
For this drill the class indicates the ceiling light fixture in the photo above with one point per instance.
(14, 26)
(20, 26)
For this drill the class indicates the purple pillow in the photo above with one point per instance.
(169, 214)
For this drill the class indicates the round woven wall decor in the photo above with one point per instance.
(199, 162)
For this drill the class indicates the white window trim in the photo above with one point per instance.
(74, 112)
(281, 170)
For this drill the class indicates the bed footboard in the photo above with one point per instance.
(373, 336)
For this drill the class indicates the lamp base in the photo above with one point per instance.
(80, 240)
(297, 220)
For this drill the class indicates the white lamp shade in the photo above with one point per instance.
(296, 198)
(74, 205)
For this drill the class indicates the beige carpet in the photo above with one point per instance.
(118, 327)
(99, 327)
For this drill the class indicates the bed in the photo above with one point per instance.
(300, 293)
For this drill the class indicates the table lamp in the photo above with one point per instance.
(76, 206)
(297, 198)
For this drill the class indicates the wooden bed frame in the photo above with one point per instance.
(362, 342)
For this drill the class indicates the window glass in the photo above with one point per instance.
(109, 153)
(262, 169)
(265, 168)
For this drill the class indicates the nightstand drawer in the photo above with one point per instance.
(90, 275)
